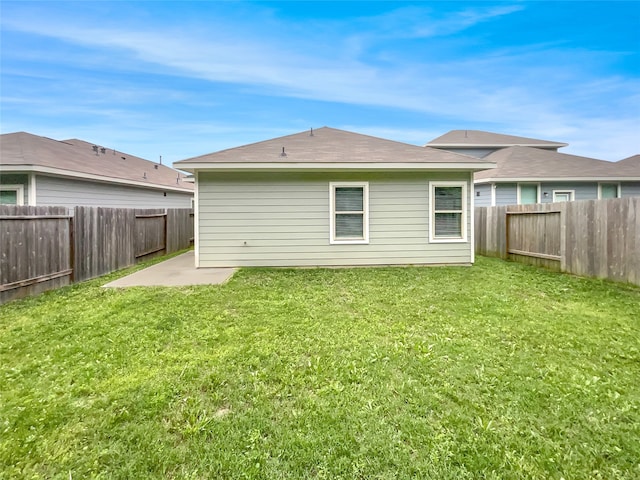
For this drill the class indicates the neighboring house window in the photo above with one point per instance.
(528, 193)
(563, 195)
(448, 211)
(608, 190)
(11, 195)
(349, 212)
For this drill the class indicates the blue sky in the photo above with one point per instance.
(181, 79)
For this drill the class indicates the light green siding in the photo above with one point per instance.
(283, 219)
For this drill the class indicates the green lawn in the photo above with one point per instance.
(494, 371)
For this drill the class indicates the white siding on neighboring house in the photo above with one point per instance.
(506, 193)
(483, 195)
(582, 190)
(629, 189)
(283, 219)
(71, 192)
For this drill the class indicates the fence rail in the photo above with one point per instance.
(42, 248)
(596, 238)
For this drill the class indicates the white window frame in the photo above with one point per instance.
(19, 189)
(365, 213)
(617, 184)
(432, 212)
(519, 191)
(571, 193)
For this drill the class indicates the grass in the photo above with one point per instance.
(494, 371)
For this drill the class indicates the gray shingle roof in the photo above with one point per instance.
(634, 160)
(478, 138)
(537, 164)
(330, 145)
(74, 157)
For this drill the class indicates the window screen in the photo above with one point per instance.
(447, 212)
(349, 215)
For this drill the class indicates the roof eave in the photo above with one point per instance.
(88, 176)
(556, 179)
(496, 145)
(333, 167)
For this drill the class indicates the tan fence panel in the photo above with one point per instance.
(595, 238)
(35, 250)
(179, 229)
(491, 231)
(150, 233)
(42, 248)
(103, 241)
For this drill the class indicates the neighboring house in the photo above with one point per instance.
(329, 197)
(40, 171)
(480, 144)
(531, 175)
(533, 171)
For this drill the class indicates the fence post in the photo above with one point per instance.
(563, 236)
(72, 246)
(166, 231)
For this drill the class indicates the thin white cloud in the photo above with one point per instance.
(540, 88)
(422, 22)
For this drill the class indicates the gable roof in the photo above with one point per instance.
(534, 164)
(634, 160)
(25, 152)
(331, 149)
(478, 138)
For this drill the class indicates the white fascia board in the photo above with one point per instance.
(556, 179)
(88, 176)
(331, 167)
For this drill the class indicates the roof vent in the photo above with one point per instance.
(283, 154)
(145, 175)
(155, 166)
(103, 150)
(311, 133)
(95, 149)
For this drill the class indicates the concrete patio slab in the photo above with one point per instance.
(175, 272)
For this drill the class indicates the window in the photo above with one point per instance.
(11, 195)
(349, 212)
(448, 211)
(608, 190)
(527, 193)
(563, 195)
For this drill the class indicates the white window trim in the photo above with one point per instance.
(519, 191)
(572, 194)
(432, 212)
(365, 213)
(617, 184)
(32, 200)
(19, 189)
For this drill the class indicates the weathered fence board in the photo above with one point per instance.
(596, 238)
(103, 241)
(150, 233)
(47, 247)
(179, 228)
(35, 251)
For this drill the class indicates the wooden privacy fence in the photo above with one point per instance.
(42, 248)
(595, 238)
